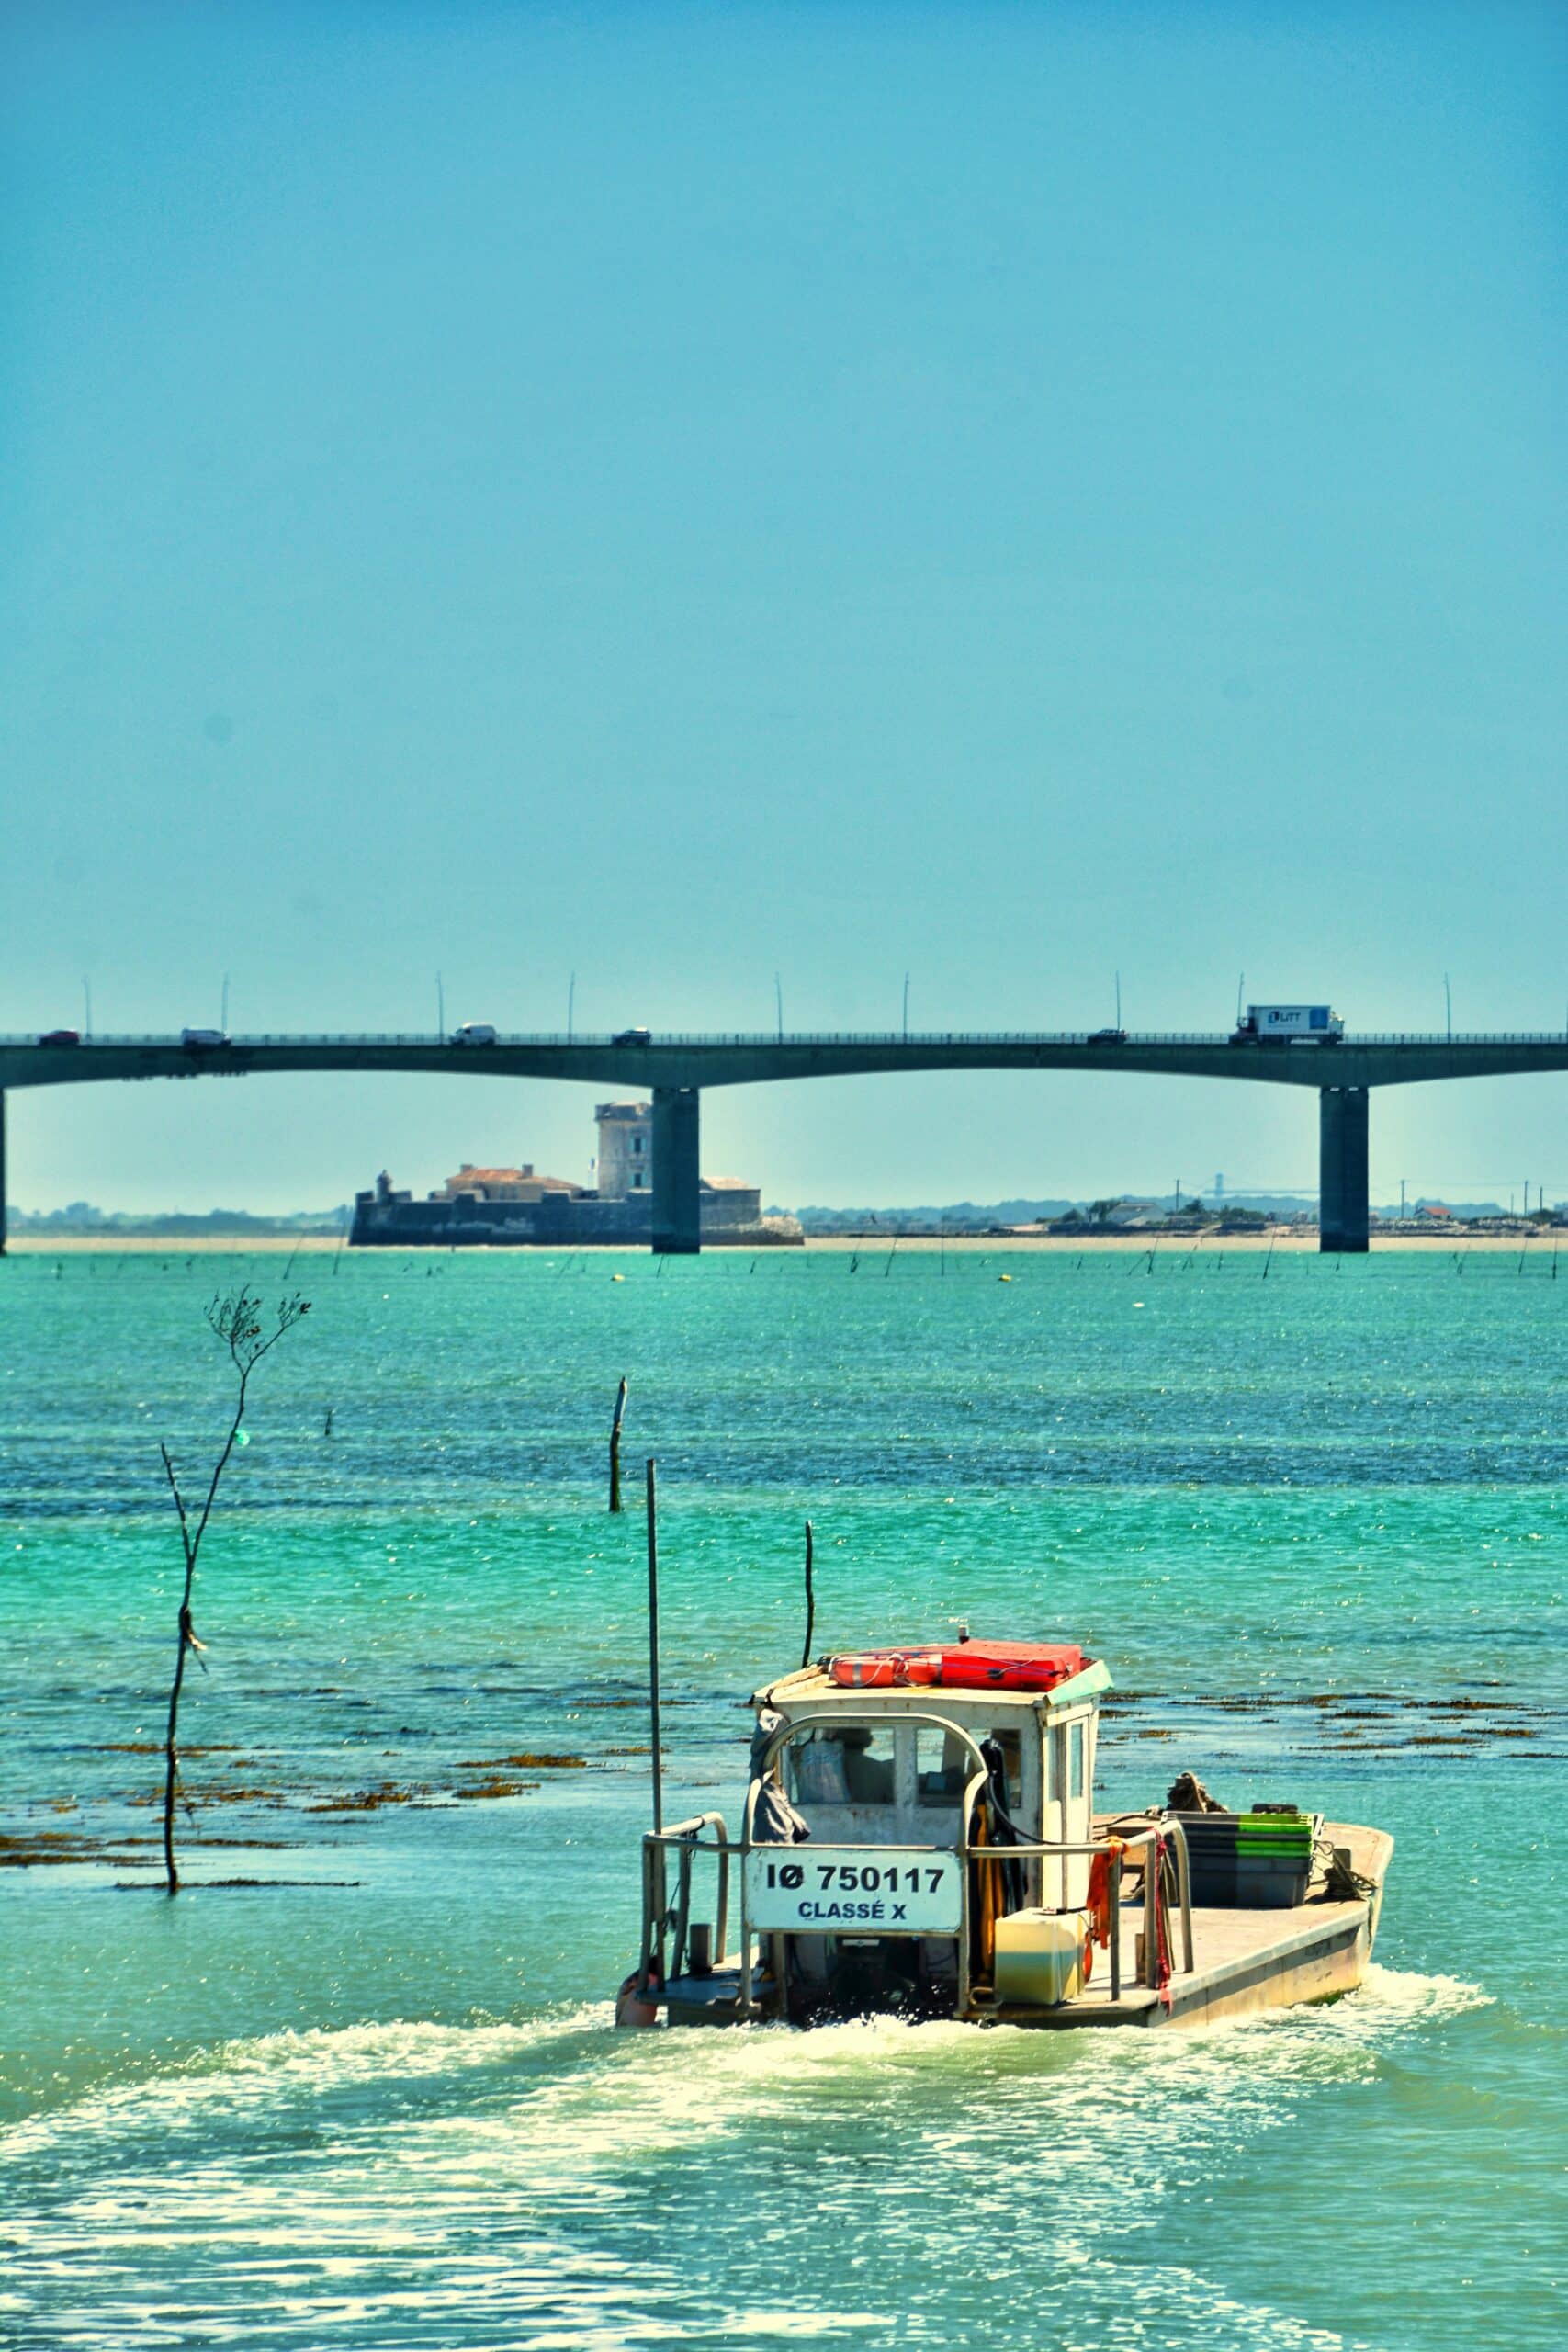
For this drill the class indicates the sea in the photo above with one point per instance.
(357, 2086)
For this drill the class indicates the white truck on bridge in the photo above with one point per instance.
(1286, 1024)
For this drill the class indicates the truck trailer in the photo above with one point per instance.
(1289, 1024)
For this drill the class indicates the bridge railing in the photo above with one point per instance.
(753, 1040)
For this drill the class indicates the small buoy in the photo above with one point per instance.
(631, 2008)
(241, 1437)
(617, 1278)
(1004, 1278)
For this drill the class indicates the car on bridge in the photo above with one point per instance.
(202, 1041)
(474, 1032)
(632, 1038)
(1106, 1038)
(61, 1038)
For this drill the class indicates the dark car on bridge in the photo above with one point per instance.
(632, 1038)
(61, 1038)
(1106, 1038)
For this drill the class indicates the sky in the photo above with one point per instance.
(680, 495)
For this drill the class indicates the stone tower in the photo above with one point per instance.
(626, 1149)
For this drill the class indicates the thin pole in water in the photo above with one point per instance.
(810, 1604)
(653, 1650)
(616, 1446)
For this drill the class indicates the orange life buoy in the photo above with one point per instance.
(884, 1669)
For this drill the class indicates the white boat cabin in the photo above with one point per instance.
(884, 1767)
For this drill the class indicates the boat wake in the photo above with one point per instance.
(500, 2183)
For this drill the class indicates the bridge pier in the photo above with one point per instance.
(1342, 1169)
(677, 1202)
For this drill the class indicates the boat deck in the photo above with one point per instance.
(1243, 1961)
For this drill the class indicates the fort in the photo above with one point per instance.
(512, 1208)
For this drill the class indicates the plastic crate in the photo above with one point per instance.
(1250, 1862)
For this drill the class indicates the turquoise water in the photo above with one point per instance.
(1315, 1521)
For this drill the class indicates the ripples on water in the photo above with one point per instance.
(379, 2113)
(552, 2183)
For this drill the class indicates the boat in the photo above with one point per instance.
(920, 1838)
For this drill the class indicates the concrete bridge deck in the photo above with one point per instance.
(674, 1067)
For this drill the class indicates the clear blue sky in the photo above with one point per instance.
(678, 494)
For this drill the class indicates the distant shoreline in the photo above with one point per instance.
(1125, 1245)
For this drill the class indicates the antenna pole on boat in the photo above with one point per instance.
(810, 1604)
(653, 1649)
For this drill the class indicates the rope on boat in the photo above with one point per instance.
(1342, 1883)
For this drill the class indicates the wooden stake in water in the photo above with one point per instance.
(653, 1650)
(810, 1604)
(616, 1446)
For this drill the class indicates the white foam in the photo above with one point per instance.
(499, 2191)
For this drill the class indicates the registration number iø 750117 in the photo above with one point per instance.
(826, 1889)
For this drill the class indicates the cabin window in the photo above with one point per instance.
(1075, 1783)
(943, 1765)
(853, 1766)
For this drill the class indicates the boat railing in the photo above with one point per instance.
(661, 1919)
(1114, 1847)
(666, 1927)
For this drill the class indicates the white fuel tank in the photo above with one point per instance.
(1039, 1958)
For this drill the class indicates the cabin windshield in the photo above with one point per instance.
(852, 1764)
(943, 1765)
(905, 1772)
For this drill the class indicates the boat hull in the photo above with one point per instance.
(1246, 1962)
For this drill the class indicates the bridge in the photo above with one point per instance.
(675, 1068)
